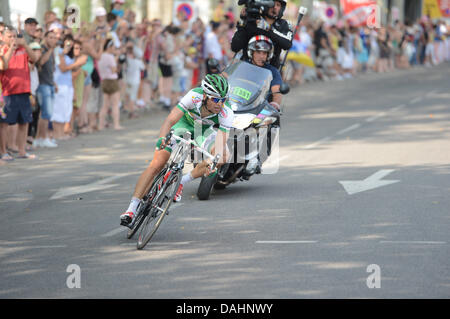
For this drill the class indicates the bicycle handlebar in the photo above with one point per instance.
(215, 159)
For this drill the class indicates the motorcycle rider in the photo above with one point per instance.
(199, 110)
(269, 24)
(260, 52)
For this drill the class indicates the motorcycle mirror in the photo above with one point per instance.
(284, 88)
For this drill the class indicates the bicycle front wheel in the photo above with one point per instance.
(159, 208)
(144, 207)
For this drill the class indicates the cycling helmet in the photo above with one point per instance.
(260, 43)
(215, 85)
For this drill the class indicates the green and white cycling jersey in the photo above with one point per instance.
(201, 129)
(191, 104)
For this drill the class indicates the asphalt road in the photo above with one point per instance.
(358, 207)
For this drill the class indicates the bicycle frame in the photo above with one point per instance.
(174, 166)
(182, 148)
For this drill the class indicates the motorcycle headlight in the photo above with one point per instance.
(266, 121)
(242, 121)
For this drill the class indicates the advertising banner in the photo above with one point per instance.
(361, 12)
(436, 9)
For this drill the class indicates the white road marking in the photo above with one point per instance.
(349, 129)
(376, 117)
(429, 94)
(371, 182)
(49, 246)
(286, 242)
(96, 186)
(357, 125)
(413, 242)
(416, 100)
(397, 108)
(313, 145)
(115, 232)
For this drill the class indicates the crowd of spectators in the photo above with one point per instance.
(89, 78)
(343, 51)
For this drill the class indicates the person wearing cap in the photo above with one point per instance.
(100, 24)
(30, 29)
(100, 16)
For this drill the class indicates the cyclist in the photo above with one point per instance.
(198, 112)
(260, 51)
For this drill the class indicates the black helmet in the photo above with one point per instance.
(280, 15)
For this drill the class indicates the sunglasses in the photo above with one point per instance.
(218, 100)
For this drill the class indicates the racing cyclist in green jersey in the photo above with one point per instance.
(198, 112)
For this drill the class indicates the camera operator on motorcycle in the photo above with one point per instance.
(198, 111)
(268, 23)
(260, 52)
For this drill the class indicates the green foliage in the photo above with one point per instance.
(85, 7)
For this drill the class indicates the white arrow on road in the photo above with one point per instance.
(371, 182)
(96, 186)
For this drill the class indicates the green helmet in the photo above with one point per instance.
(215, 85)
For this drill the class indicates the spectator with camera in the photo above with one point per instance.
(16, 88)
(269, 22)
(46, 90)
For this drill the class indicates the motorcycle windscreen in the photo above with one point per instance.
(249, 85)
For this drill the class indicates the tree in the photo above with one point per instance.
(42, 7)
(5, 12)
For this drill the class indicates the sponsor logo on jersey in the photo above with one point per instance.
(196, 99)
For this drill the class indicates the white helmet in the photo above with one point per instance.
(260, 43)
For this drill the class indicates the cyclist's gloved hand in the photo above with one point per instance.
(161, 144)
(210, 172)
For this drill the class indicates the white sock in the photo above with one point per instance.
(186, 179)
(133, 205)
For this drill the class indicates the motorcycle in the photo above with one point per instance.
(256, 125)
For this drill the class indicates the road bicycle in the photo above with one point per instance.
(155, 204)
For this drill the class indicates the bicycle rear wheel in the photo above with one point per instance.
(159, 207)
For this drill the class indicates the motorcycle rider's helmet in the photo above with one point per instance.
(260, 43)
(280, 15)
(215, 85)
